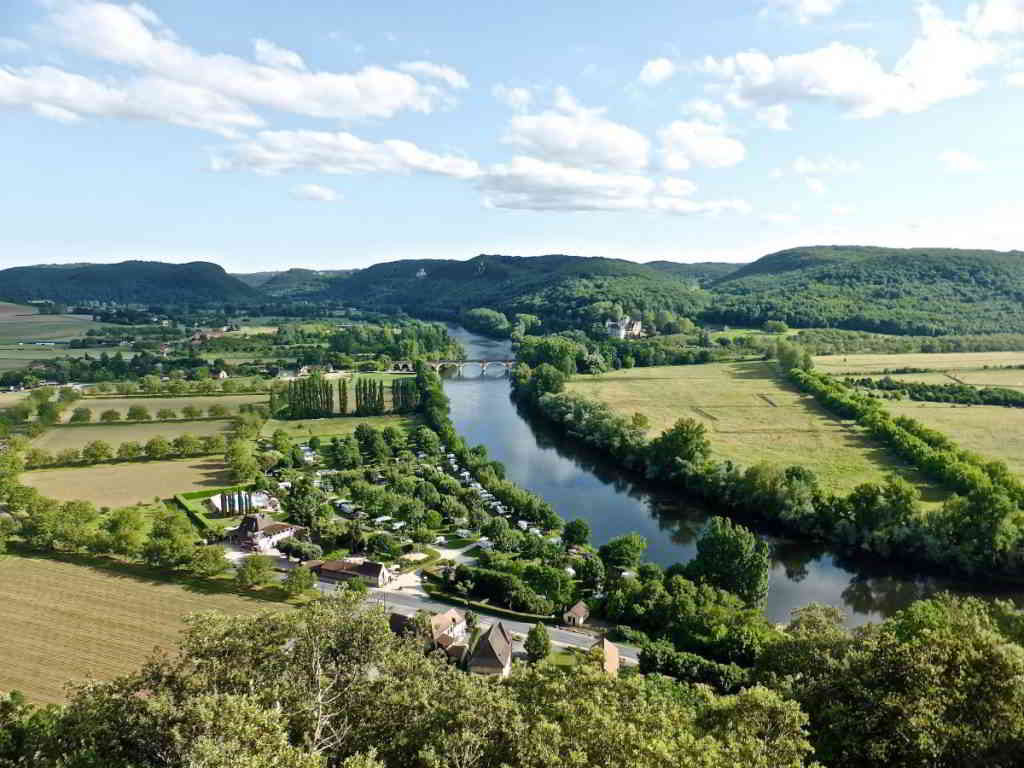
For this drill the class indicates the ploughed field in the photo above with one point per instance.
(119, 485)
(68, 622)
(752, 415)
(121, 404)
(59, 438)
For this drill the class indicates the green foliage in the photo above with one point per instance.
(538, 643)
(732, 558)
(254, 571)
(209, 561)
(298, 581)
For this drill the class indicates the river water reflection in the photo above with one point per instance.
(580, 483)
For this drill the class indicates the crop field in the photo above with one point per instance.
(7, 399)
(303, 429)
(952, 361)
(22, 323)
(59, 438)
(752, 416)
(989, 430)
(1010, 379)
(120, 485)
(19, 355)
(64, 621)
(121, 404)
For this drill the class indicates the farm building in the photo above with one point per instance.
(260, 533)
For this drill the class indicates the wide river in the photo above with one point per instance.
(580, 484)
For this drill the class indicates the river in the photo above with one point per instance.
(581, 484)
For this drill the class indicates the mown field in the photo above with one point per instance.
(64, 621)
(303, 429)
(60, 438)
(861, 364)
(7, 399)
(752, 416)
(989, 430)
(14, 356)
(119, 485)
(22, 323)
(121, 404)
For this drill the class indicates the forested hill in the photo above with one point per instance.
(291, 282)
(928, 291)
(702, 273)
(557, 288)
(143, 282)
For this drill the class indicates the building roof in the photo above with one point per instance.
(399, 623)
(366, 568)
(579, 610)
(495, 647)
(442, 622)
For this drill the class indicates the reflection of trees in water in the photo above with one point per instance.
(794, 556)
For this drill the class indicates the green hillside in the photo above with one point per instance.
(927, 291)
(703, 273)
(557, 288)
(143, 282)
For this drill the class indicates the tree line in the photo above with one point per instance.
(953, 392)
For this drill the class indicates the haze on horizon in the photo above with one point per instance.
(262, 137)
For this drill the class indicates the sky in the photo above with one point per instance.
(333, 134)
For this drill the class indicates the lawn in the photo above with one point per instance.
(303, 429)
(859, 364)
(67, 621)
(121, 404)
(118, 485)
(752, 415)
(990, 430)
(22, 323)
(59, 438)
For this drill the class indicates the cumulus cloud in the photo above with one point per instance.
(657, 71)
(687, 207)
(775, 117)
(514, 98)
(958, 161)
(135, 38)
(678, 187)
(827, 165)
(944, 62)
(694, 142)
(274, 152)
(804, 11)
(12, 45)
(574, 135)
(451, 77)
(314, 192)
(705, 110)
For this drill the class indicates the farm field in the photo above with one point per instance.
(23, 323)
(7, 399)
(120, 485)
(989, 430)
(861, 364)
(66, 621)
(303, 429)
(100, 404)
(59, 438)
(1011, 379)
(14, 356)
(752, 416)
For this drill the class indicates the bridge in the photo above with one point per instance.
(459, 366)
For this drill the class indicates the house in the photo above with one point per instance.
(448, 629)
(260, 533)
(493, 652)
(374, 574)
(577, 615)
(625, 328)
(609, 652)
(222, 375)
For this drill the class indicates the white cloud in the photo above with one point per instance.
(530, 184)
(135, 38)
(451, 77)
(780, 218)
(827, 165)
(842, 210)
(690, 207)
(265, 52)
(943, 63)
(775, 117)
(574, 135)
(678, 187)
(958, 161)
(705, 110)
(694, 142)
(817, 186)
(997, 17)
(657, 71)
(273, 152)
(59, 95)
(314, 192)
(11, 45)
(804, 11)
(514, 98)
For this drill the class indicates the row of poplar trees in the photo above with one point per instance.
(313, 398)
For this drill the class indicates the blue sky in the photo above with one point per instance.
(331, 134)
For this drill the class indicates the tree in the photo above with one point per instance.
(124, 531)
(576, 533)
(623, 552)
(110, 415)
(209, 561)
(129, 450)
(191, 412)
(81, 415)
(298, 580)
(171, 539)
(97, 451)
(218, 411)
(187, 445)
(775, 326)
(158, 448)
(166, 414)
(139, 413)
(732, 558)
(686, 442)
(538, 643)
(254, 571)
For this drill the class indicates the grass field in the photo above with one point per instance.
(119, 485)
(100, 404)
(1010, 379)
(752, 416)
(304, 429)
(858, 364)
(7, 399)
(989, 430)
(18, 356)
(66, 621)
(59, 438)
(22, 323)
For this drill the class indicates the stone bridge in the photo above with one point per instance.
(459, 366)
